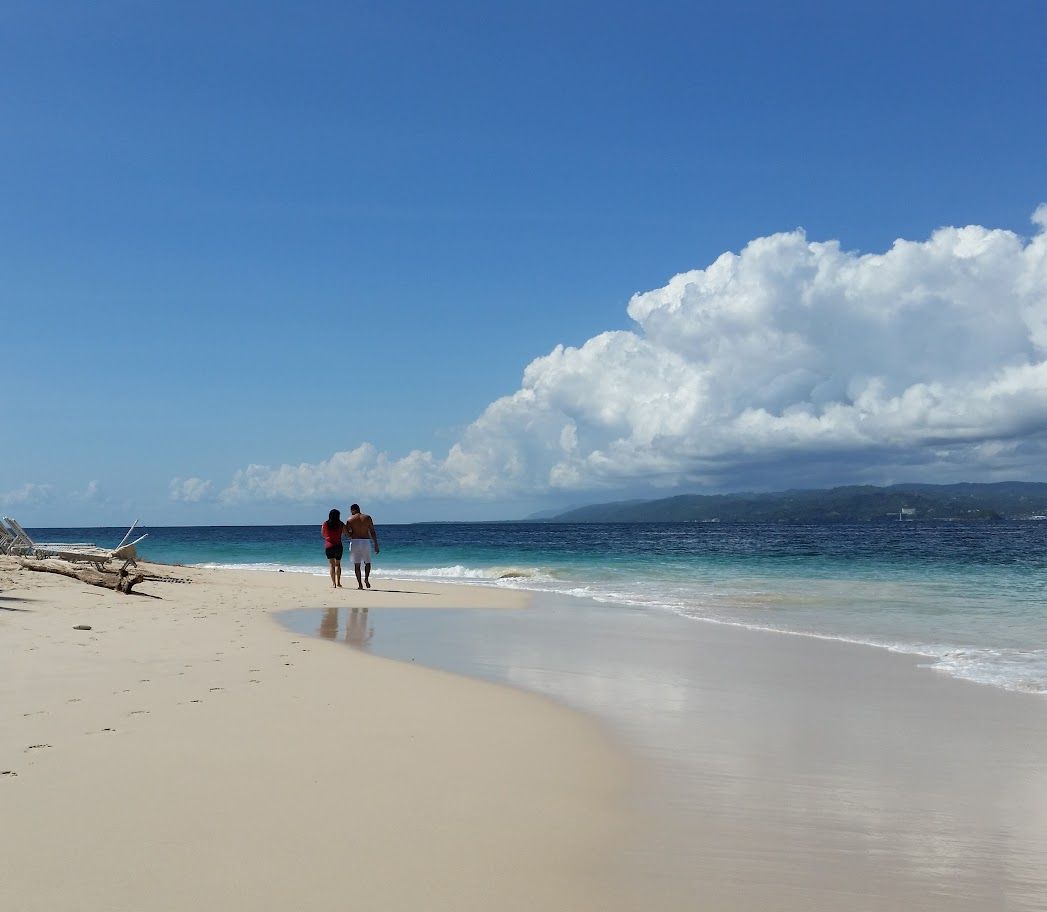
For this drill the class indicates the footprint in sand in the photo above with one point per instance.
(8, 773)
(138, 712)
(213, 689)
(254, 681)
(36, 746)
(36, 712)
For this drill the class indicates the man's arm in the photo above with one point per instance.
(373, 534)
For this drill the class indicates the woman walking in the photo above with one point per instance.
(332, 532)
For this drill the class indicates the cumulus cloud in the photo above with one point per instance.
(92, 493)
(792, 352)
(190, 490)
(28, 494)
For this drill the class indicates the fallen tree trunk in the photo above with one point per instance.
(119, 580)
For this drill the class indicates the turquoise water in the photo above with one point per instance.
(971, 597)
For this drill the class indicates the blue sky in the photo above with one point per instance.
(267, 234)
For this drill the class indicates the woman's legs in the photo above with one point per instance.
(338, 573)
(334, 564)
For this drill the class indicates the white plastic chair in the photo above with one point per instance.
(91, 554)
(7, 539)
(22, 543)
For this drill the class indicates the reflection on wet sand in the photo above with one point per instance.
(357, 631)
(329, 624)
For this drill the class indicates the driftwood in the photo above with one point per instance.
(119, 580)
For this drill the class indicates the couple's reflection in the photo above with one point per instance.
(357, 633)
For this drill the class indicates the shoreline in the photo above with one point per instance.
(966, 600)
(182, 753)
(780, 773)
(924, 660)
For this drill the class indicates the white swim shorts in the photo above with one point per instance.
(360, 550)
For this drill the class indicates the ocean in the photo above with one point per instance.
(969, 597)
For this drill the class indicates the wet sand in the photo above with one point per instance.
(188, 752)
(783, 773)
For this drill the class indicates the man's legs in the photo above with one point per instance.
(367, 575)
(359, 582)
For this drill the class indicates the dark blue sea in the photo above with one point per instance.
(970, 597)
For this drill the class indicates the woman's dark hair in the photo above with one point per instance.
(334, 518)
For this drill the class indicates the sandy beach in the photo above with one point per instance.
(216, 745)
(189, 752)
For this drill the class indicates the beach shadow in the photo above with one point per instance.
(403, 591)
(13, 598)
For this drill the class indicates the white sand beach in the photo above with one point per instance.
(189, 752)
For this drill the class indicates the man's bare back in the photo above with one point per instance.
(362, 526)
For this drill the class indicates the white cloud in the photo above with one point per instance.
(28, 494)
(790, 353)
(93, 493)
(190, 490)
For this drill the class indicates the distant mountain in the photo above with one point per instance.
(857, 503)
(553, 513)
(545, 514)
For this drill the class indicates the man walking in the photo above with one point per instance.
(361, 534)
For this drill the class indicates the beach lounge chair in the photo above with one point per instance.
(22, 544)
(89, 554)
(96, 556)
(126, 550)
(7, 538)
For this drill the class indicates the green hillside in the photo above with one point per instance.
(859, 503)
